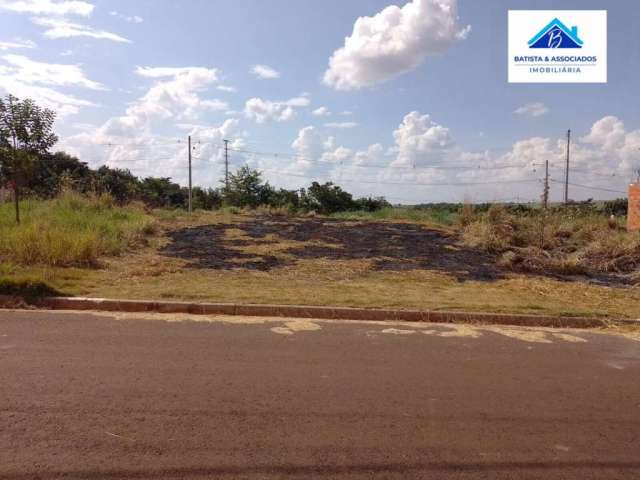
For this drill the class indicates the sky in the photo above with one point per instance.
(408, 100)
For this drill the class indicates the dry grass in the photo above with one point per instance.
(320, 281)
(342, 283)
(565, 243)
(146, 273)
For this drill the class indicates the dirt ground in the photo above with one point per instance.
(391, 246)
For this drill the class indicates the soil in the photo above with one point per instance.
(391, 246)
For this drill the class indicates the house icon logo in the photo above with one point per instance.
(556, 35)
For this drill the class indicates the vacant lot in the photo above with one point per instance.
(251, 258)
(266, 243)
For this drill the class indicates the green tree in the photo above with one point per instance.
(26, 131)
(371, 204)
(246, 189)
(51, 171)
(206, 199)
(326, 198)
(119, 183)
(162, 192)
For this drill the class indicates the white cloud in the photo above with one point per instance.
(321, 112)
(32, 72)
(62, 104)
(309, 143)
(175, 99)
(62, 28)
(263, 111)
(607, 133)
(394, 41)
(174, 95)
(346, 112)
(127, 18)
(265, 72)
(423, 163)
(48, 7)
(302, 101)
(17, 43)
(419, 140)
(226, 88)
(341, 125)
(211, 74)
(26, 78)
(532, 109)
(162, 156)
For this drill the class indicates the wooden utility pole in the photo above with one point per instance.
(545, 193)
(545, 203)
(566, 171)
(16, 186)
(226, 164)
(189, 146)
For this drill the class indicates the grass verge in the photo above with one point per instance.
(70, 230)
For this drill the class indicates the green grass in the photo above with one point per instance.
(70, 230)
(433, 215)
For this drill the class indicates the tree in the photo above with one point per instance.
(371, 204)
(119, 183)
(246, 189)
(51, 172)
(162, 192)
(25, 133)
(326, 198)
(206, 199)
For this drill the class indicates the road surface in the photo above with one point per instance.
(97, 396)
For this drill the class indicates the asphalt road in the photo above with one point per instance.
(96, 397)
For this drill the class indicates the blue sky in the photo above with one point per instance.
(415, 105)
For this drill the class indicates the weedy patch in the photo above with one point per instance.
(559, 242)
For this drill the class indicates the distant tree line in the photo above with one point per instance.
(29, 169)
(50, 173)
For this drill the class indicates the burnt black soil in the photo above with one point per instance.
(392, 246)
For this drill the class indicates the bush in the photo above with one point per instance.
(617, 207)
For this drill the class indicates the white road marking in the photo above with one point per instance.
(398, 331)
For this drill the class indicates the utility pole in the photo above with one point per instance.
(189, 146)
(226, 164)
(545, 194)
(566, 172)
(545, 203)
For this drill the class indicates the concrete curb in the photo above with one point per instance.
(300, 311)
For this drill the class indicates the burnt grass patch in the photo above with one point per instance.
(390, 246)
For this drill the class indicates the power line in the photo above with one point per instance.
(382, 182)
(126, 144)
(591, 187)
(450, 165)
